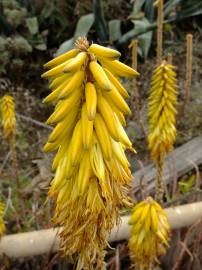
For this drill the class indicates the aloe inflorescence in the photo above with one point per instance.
(92, 173)
(162, 111)
(150, 234)
(8, 120)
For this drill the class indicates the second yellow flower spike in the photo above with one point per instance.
(150, 232)
(7, 109)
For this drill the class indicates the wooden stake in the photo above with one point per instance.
(187, 85)
(170, 58)
(134, 48)
(15, 173)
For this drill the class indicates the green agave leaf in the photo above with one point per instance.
(144, 39)
(190, 8)
(48, 10)
(65, 46)
(149, 10)
(170, 5)
(137, 6)
(100, 22)
(84, 24)
(114, 30)
(143, 27)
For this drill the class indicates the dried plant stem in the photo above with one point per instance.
(15, 174)
(159, 179)
(159, 4)
(33, 121)
(188, 79)
(185, 243)
(134, 47)
(12, 143)
(170, 58)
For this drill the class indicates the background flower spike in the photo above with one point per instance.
(150, 234)
(161, 114)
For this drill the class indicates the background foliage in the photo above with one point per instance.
(31, 29)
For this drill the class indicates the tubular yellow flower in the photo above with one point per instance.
(2, 225)
(150, 233)
(92, 174)
(162, 103)
(7, 108)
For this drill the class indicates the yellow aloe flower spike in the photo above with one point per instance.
(150, 234)
(161, 113)
(8, 120)
(92, 174)
(2, 225)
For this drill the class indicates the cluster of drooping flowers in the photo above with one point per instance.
(92, 173)
(2, 225)
(149, 234)
(8, 120)
(162, 103)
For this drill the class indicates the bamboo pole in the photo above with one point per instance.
(46, 241)
(188, 80)
(159, 5)
(134, 50)
(170, 58)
